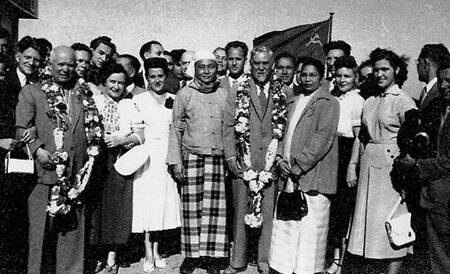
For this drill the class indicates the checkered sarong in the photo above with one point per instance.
(203, 230)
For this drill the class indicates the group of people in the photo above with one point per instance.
(193, 142)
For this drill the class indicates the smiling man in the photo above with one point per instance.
(196, 161)
(67, 243)
(221, 57)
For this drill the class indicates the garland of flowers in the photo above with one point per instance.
(257, 181)
(64, 193)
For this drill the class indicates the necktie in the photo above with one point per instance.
(262, 97)
(423, 93)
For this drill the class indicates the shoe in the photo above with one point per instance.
(161, 263)
(148, 266)
(234, 270)
(114, 269)
(99, 267)
(334, 267)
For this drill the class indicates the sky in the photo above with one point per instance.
(401, 25)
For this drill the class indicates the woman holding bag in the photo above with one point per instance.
(123, 129)
(156, 205)
(383, 114)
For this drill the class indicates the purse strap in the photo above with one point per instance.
(394, 209)
(30, 156)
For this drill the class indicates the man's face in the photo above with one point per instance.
(444, 75)
(221, 58)
(186, 59)
(29, 61)
(4, 46)
(364, 74)
(2, 72)
(384, 74)
(205, 71)
(126, 64)
(261, 67)
(82, 59)
(422, 71)
(331, 58)
(63, 66)
(156, 78)
(155, 51)
(178, 71)
(284, 69)
(169, 60)
(236, 62)
(101, 55)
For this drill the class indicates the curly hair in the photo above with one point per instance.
(394, 60)
(315, 63)
(103, 40)
(31, 42)
(81, 47)
(346, 62)
(110, 68)
(339, 44)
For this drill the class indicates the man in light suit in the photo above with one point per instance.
(48, 244)
(260, 109)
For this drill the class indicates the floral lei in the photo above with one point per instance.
(64, 193)
(258, 181)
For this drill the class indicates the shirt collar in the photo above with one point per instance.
(240, 79)
(431, 84)
(394, 90)
(130, 87)
(22, 77)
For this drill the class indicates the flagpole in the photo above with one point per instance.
(331, 26)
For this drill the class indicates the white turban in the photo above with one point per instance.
(204, 55)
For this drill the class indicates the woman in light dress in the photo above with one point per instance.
(383, 114)
(155, 196)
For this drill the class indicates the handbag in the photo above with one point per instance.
(399, 228)
(291, 206)
(13, 165)
(132, 160)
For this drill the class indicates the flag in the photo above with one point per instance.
(303, 40)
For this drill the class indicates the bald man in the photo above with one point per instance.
(54, 248)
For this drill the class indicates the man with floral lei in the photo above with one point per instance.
(254, 122)
(68, 131)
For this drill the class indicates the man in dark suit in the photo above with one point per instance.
(261, 105)
(434, 172)
(29, 57)
(50, 243)
(236, 57)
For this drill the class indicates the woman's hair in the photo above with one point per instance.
(396, 62)
(316, 63)
(110, 68)
(346, 62)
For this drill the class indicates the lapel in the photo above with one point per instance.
(434, 92)
(321, 93)
(77, 112)
(225, 83)
(255, 99)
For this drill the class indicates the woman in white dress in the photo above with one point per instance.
(155, 196)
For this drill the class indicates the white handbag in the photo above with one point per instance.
(399, 228)
(132, 160)
(13, 165)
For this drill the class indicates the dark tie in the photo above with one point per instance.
(262, 98)
(423, 93)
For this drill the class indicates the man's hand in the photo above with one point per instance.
(233, 167)
(112, 140)
(44, 158)
(8, 144)
(29, 135)
(177, 171)
(180, 125)
(284, 168)
(351, 179)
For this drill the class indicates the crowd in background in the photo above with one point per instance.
(189, 149)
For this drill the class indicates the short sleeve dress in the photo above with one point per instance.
(381, 119)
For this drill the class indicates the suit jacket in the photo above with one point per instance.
(314, 146)
(260, 126)
(436, 172)
(12, 83)
(31, 110)
(430, 116)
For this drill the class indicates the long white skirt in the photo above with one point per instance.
(156, 203)
(300, 246)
